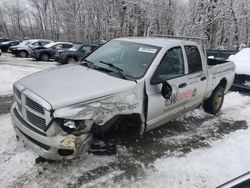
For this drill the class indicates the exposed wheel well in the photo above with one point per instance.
(119, 125)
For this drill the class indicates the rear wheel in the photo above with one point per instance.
(214, 103)
(23, 54)
(44, 57)
(71, 60)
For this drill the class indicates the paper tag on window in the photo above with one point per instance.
(147, 50)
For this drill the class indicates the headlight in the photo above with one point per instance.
(70, 124)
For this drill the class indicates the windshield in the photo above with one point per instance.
(133, 59)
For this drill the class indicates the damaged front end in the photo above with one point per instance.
(70, 132)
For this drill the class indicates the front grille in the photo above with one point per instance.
(35, 120)
(19, 107)
(18, 93)
(34, 106)
(26, 124)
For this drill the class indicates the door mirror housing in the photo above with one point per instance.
(166, 90)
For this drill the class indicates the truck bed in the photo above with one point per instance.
(213, 62)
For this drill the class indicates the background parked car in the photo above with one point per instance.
(3, 39)
(242, 76)
(74, 54)
(25, 48)
(48, 51)
(4, 46)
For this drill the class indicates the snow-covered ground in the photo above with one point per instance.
(226, 158)
(13, 69)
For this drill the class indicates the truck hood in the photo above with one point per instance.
(71, 84)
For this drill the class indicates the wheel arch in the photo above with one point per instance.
(223, 83)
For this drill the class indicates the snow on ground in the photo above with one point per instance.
(14, 158)
(226, 159)
(13, 69)
(9, 74)
(242, 61)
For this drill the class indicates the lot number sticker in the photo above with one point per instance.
(147, 50)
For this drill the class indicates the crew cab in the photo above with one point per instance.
(134, 83)
(24, 49)
(47, 52)
(74, 54)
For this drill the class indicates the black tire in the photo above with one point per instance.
(23, 54)
(214, 103)
(44, 57)
(71, 60)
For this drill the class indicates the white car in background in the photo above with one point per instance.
(242, 73)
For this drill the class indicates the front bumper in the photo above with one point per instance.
(56, 147)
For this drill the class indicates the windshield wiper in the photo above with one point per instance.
(120, 71)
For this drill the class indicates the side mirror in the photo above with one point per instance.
(166, 90)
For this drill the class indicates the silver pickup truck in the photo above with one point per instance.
(141, 82)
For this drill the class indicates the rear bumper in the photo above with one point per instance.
(56, 147)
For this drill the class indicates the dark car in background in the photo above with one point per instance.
(74, 54)
(4, 46)
(48, 51)
(24, 49)
(4, 39)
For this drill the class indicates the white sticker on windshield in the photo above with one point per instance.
(147, 50)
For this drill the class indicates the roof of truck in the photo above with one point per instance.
(158, 41)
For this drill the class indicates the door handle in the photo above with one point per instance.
(182, 85)
(203, 78)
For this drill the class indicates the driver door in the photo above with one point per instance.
(172, 70)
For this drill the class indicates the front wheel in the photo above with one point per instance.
(214, 103)
(23, 54)
(44, 57)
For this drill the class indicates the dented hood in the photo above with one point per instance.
(71, 84)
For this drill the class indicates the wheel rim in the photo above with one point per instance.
(218, 101)
(71, 60)
(45, 57)
(22, 54)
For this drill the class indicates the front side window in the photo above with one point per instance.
(194, 59)
(171, 66)
(132, 58)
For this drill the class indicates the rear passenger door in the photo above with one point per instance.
(196, 79)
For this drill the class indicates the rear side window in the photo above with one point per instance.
(67, 45)
(194, 59)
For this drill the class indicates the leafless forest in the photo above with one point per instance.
(225, 23)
